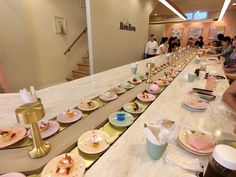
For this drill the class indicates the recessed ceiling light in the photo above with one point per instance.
(224, 8)
(234, 4)
(198, 12)
(170, 6)
(155, 14)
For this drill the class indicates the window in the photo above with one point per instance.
(189, 16)
(196, 15)
(200, 15)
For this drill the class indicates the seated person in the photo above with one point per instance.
(231, 67)
(178, 44)
(219, 44)
(163, 48)
(226, 51)
(151, 47)
(199, 42)
(190, 42)
(172, 44)
(229, 96)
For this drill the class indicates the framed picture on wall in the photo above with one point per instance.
(177, 32)
(214, 31)
(195, 32)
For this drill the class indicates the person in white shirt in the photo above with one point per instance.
(151, 47)
(163, 48)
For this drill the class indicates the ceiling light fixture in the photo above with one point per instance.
(173, 8)
(224, 8)
(155, 14)
(234, 4)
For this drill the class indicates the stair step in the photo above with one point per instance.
(83, 68)
(85, 60)
(79, 74)
(71, 78)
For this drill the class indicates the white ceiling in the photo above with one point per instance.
(211, 6)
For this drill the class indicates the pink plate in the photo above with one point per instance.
(20, 134)
(108, 96)
(150, 97)
(138, 81)
(195, 103)
(51, 130)
(64, 118)
(13, 174)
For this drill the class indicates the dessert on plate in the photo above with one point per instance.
(43, 125)
(65, 165)
(7, 135)
(69, 112)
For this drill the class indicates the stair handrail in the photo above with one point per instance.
(69, 48)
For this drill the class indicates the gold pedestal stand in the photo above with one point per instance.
(150, 66)
(30, 114)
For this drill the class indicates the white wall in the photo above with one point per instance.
(15, 46)
(113, 47)
(33, 52)
(158, 30)
(54, 67)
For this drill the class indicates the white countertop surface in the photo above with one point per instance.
(127, 157)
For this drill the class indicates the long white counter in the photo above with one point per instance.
(128, 156)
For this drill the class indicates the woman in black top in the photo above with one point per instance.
(199, 42)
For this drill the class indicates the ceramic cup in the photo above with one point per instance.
(134, 68)
(120, 116)
(202, 75)
(197, 60)
(191, 77)
(155, 151)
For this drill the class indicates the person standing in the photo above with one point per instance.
(151, 47)
(163, 48)
(199, 42)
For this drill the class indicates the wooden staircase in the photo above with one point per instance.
(83, 70)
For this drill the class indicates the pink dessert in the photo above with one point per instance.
(200, 141)
(154, 88)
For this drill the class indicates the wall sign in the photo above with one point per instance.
(214, 31)
(195, 32)
(177, 32)
(125, 25)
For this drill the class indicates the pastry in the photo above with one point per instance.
(95, 139)
(135, 106)
(65, 165)
(134, 80)
(70, 113)
(6, 135)
(145, 95)
(108, 95)
(154, 88)
(43, 125)
(90, 104)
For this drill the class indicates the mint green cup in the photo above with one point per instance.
(134, 70)
(191, 77)
(197, 60)
(155, 151)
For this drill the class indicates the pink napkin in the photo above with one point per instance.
(200, 141)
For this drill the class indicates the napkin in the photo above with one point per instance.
(28, 96)
(157, 135)
(175, 156)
